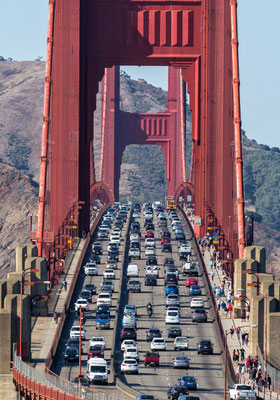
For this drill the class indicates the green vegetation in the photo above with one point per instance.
(18, 152)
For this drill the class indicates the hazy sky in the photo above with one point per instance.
(23, 37)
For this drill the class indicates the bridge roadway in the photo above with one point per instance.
(207, 369)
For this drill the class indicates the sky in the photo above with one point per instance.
(23, 32)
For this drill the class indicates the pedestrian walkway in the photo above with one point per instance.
(43, 328)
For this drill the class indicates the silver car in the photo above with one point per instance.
(172, 299)
(181, 362)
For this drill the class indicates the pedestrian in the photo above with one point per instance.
(65, 284)
(243, 314)
(229, 297)
(237, 354)
(242, 354)
(231, 332)
(84, 235)
(243, 338)
(234, 355)
(246, 339)
(248, 362)
(238, 332)
(247, 315)
(55, 317)
(219, 304)
(214, 288)
(253, 374)
(215, 265)
(214, 254)
(242, 372)
(211, 263)
(212, 275)
(223, 305)
(268, 380)
(230, 310)
(226, 311)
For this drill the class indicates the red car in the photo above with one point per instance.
(95, 351)
(149, 234)
(165, 240)
(191, 281)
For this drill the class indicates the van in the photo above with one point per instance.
(132, 270)
(97, 370)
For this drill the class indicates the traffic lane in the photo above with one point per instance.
(70, 371)
(159, 381)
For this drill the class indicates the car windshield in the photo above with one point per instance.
(95, 348)
(172, 314)
(72, 350)
(188, 378)
(97, 339)
(244, 387)
(181, 339)
(131, 350)
(199, 311)
(98, 368)
(104, 296)
(182, 358)
(205, 342)
(130, 362)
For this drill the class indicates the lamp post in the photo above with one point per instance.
(225, 366)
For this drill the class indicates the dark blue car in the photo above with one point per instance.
(171, 289)
(195, 289)
(188, 382)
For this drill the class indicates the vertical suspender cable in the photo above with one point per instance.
(45, 131)
(237, 128)
(103, 121)
(182, 124)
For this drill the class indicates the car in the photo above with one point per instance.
(132, 270)
(150, 280)
(127, 343)
(131, 352)
(174, 392)
(136, 214)
(103, 321)
(97, 248)
(170, 278)
(86, 294)
(81, 303)
(106, 289)
(153, 333)
(186, 397)
(172, 317)
(129, 320)
(191, 281)
(181, 343)
(90, 287)
(188, 382)
(112, 256)
(172, 299)
(102, 309)
(181, 362)
(151, 358)
(152, 270)
(195, 290)
(205, 346)
(115, 240)
(242, 391)
(130, 309)
(145, 397)
(174, 332)
(150, 227)
(134, 252)
(95, 351)
(128, 333)
(171, 289)
(171, 269)
(149, 234)
(199, 315)
(197, 302)
(151, 260)
(133, 286)
(98, 341)
(91, 269)
(150, 251)
(169, 261)
(112, 263)
(129, 366)
(117, 231)
(75, 342)
(82, 381)
(180, 236)
(166, 248)
(102, 233)
(158, 344)
(110, 283)
(71, 354)
(165, 239)
(150, 242)
(75, 332)
(104, 298)
(95, 258)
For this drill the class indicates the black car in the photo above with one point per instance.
(166, 248)
(75, 343)
(170, 279)
(83, 381)
(97, 248)
(90, 287)
(118, 224)
(205, 346)
(86, 294)
(148, 221)
(175, 391)
(135, 245)
(169, 261)
(179, 236)
(135, 225)
(150, 227)
(112, 263)
(71, 354)
(174, 332)
(128, 333)
(113, 255)
(102, 309)
(151, 260)
(150, 281)
(95, 258)
(153, 333)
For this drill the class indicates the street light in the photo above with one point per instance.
(225, 366)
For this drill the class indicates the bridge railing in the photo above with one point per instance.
(62, 318)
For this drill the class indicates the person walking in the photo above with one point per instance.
(65, 284)
(243, 338)
(231, 332)
(230, 310)
(234, 355)
(212, 275)
(243, 370)
(238, 332)
(55, 317)
(268, 380)
(219, 304)
(237, 354)
(211, 263)
(242, 354)
(223, 305)
(246, 339)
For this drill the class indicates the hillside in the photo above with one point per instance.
(21, 92)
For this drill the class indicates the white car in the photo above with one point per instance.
(91, 269)
(109, 274)
(197, 302)
(134, 236)
(104, 298)
(115, 239)
(112, 246)
(148, 214)
(134, 252)
(83, 303)
(115, 234)
(152, 270)
(131, 352)
(158, 344)
(150, 242)
(108, 282)
(75, 332)
(173, 308)
(136, 214)
(181, 343)
(127, 343)
(117, 231)
(129, 366)
(172, 317)
(150, 251)
(98, 341)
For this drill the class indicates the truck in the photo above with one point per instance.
(170, 203)
(97, 370)
(242, 392)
